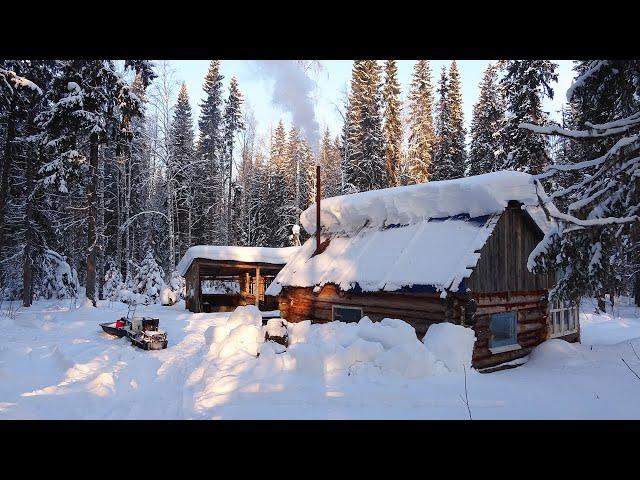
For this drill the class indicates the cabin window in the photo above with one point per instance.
(346, 314)
(563, 318)
(504, 332)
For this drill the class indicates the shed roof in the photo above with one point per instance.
(424, 236)
(277, 256)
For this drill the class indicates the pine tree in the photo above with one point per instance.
(329, 158)
(370, 166)
(351, 135)
(232, 124)
(113, 283)
(183, 178)
(392, 125)
(276, 195)
(441, 165)
(458, 152)
(149, 279)
(485, 153)
(525, 84)
(211, 147)
(421, 134)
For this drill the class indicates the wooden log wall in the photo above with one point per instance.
(418, 309)
(531, 311)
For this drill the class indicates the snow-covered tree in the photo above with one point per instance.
(421, 134)
(183, 176)
(458, 152)
(392, 125)
(211, 147)
(486, 149)
(371, 171)
(177, 284)
(149, 279)
(449, 150)
(596, 243)
(113, 283)
(232, 124)
(56, 278)
(525, 84)
(440, 164)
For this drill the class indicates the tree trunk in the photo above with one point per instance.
(100, 232)
(229, 235)
(92, 214)
(7, 164)
(27, 261)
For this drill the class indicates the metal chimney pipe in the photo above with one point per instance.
(317, 208)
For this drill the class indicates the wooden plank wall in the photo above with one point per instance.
(503, 259)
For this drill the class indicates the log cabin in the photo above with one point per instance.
(450, 251)
(221, 278)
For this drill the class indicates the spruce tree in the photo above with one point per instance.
(211, 147)
(392, 124)
(149, 280)
(371, 170)
(525, 84)
(232, 124)
(182, 150)
(458, 150)
(421, 132)
(441, 165)
(485, 152)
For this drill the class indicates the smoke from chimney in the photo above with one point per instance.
(292, 92)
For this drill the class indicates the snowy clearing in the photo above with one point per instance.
(55, 362)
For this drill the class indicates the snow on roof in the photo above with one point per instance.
(425, 235)
(475, 196)
(237, 254)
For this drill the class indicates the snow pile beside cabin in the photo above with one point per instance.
(418, 235)
(235, 254)
(238, 356)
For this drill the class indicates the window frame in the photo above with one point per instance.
(505, 348)
(557, 310)
(346, 307)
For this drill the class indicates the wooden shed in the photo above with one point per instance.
(451, 251)
(221, 278)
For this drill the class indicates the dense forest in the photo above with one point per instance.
(105, 184)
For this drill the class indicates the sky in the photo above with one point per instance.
(282, 89)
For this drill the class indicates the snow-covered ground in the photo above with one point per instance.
(55, 362)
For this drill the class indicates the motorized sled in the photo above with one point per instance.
(143, 332)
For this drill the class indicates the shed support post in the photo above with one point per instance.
(257, 289)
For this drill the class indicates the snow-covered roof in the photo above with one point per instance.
(278, 256)
(475, 196)
(425, 235)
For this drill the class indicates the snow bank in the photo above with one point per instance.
(476, 196)
(245, 316)
(276, 327)
(389, 347)
(237, 254)
(453, 344)
(168, 296)
(556, 353)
